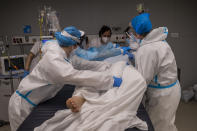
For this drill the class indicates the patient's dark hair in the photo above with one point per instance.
(103, 29)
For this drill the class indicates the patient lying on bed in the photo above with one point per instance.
(76, 101)
(108, 53)
(114, 109)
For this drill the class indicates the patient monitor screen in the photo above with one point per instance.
(15, 63)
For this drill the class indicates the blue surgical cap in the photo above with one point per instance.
(66, 40)
(141, 23)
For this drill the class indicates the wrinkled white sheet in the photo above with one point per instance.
(117, 58)
(112, 110)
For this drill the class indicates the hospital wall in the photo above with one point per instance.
(89, 15)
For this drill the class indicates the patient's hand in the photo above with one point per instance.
(74, 103)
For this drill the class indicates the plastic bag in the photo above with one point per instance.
(187, 95)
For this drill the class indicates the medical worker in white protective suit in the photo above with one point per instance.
(155, 60)
(102, 48)
(52, 72)
(104, 37)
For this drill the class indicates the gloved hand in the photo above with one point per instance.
(117, 81)
(130, 55)
(25, 73)
(125, 49)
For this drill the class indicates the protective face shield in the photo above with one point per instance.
(130, 34)
(82, 42)
(105, 39)
(69, 36)
(131, 40)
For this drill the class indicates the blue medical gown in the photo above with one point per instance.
(98, 53)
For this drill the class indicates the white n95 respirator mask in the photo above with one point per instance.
(105, 39)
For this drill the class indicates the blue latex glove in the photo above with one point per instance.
(117, 81)
(125, 49)
(25, 73)
(130, 55)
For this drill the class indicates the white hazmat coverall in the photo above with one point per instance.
(48, 77)
(155, 60)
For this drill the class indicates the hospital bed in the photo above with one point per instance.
(47, 109)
